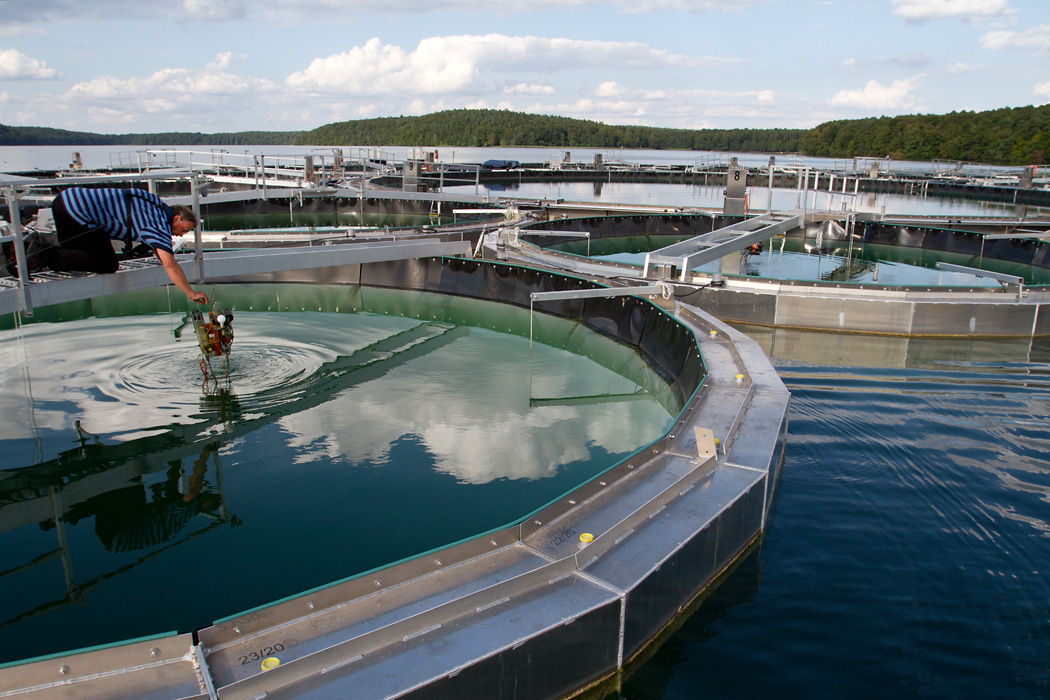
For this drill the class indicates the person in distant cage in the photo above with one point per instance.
(87, 219)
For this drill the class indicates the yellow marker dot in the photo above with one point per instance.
(270, 663)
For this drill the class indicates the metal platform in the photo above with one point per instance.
(714, 245)
(55, 288)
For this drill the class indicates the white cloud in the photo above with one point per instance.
(608, 111)
(15, 65)
(850, 64)
(876, 96)
(225, 60)
(925, 10)
(959, 68)
(167, 85)
(442, 65)
(1043, 90)
(1034, 39)
(184, 96)
(527, 89)
(609, 89)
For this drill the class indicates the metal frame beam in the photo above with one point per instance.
(721, 242)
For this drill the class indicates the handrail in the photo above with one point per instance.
(15, 190)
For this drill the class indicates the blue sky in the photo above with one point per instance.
(119, 66)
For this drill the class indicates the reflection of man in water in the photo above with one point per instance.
(126, 520)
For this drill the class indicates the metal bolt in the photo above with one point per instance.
(494, 543)
(313, 605)
(237, 630)
(64, 670)
(379, 582)
(439, 562)
(154, 652)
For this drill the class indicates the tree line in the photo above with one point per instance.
(46, 136)
(1009, 136)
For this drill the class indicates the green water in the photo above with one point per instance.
(358, 427)
(834, 261)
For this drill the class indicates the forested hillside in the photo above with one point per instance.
(1018, 136)
(44, 136)
(491, 127)
(1011, 136)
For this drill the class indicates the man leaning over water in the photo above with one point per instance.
(87, 219)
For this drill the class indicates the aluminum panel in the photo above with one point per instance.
(572, 655)
(837, 314)
(152, 669)
(658, 599)
(697, 509)
(756, 440)
(665, 563)
(566, 616)
(736, 305)
(559, 538)
(740, 524)
(320, 619)
(1007, 319)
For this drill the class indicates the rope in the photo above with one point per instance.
(27, 381)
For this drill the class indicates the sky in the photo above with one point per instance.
(141, 66)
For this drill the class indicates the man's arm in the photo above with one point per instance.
(178, 277)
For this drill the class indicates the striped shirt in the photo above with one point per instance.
(106, 208)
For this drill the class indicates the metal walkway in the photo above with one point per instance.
(705, 248)
(56, 288)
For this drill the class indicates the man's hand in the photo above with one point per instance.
(178, 277)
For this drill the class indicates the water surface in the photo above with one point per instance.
(907, 553)
(356, 428)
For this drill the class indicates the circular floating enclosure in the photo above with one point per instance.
(359, 426)
(884, 254)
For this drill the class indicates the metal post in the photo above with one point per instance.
(20, 252)
(805, 190)
(198, 244)
(769, 207)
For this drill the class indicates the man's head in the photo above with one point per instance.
(184, 222)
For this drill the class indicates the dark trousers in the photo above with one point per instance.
(80, 248)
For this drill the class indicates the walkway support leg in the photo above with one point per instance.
(21, 263)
